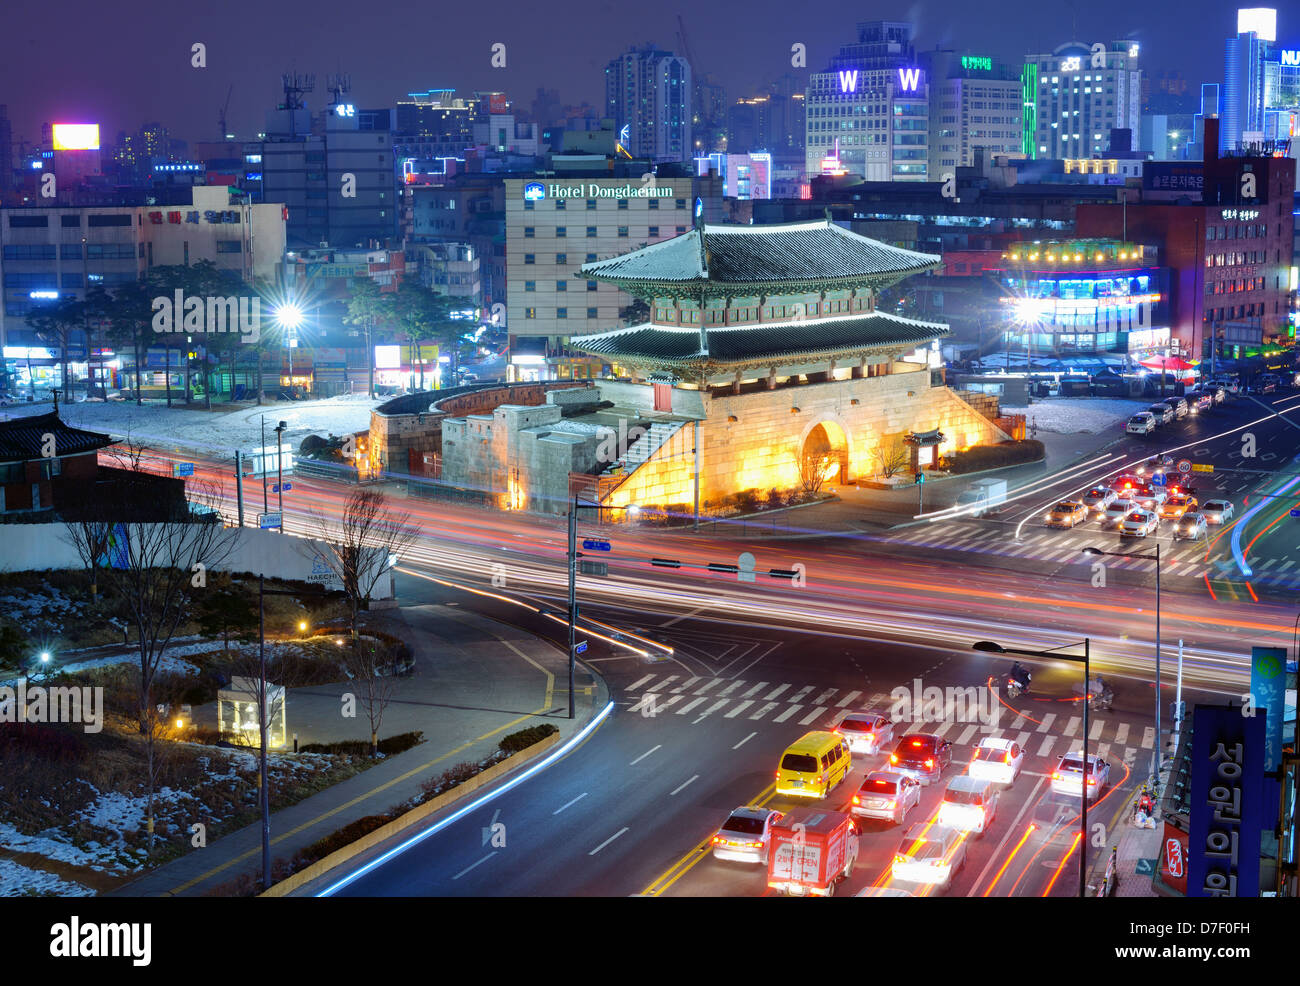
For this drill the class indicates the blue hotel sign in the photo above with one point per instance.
(534, 190)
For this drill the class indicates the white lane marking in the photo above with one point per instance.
(635, 685)
(940, 729)
(744, 741)
(847, 699)
(1019, 723)
(1072, 726)
(684, 616)
(1121, 734)
(806, 720)
(824, 696)
(757, 688)
(646, 754)
(738, 710)
(730, 688)
(713, 708)
(573, 802)
(1046, 724)
(672, 700)
(692, 704)
(608, 841)
(1103, 750)
(472, 865)
(965, 736)
(787, 713)
(775, 692)
(664, 684)
(694, 777)
(707, 685)
(687, 684)
(767, 707)
(1023, 739)
(1046, 746)
(1094, 733)
(1148, 737)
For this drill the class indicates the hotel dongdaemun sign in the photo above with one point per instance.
(535, 190)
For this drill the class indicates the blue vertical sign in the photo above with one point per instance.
(1227, 803)
(1268, 685)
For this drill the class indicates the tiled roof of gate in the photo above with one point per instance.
(23, 439)
(749, 343)
(813, 251)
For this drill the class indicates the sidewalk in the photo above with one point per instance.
(475, 680)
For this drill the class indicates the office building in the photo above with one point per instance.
(1261, 84)
(648, 96)
(868, 111)
(1074, 96)
(975, 102)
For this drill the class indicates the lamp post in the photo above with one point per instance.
(279, 469)
(990, 647)
(1156, 751)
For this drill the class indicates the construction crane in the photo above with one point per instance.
(221, 114)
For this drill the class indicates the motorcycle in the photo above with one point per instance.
(1144, 810)
(1100, 701)
(1015, 687)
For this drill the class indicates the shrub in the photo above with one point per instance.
(360, 748)
(449, 778)
(525, 738)
(339, 838)
(983, 457)
(775, 499)
(747, 501)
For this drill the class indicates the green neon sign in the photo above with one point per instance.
(977, 62)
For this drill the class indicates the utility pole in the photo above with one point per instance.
(239, 484)
(279, 471)
(573, 578)
(1178, 701)
(1083, 778)
(1155, 751)
(266, 506)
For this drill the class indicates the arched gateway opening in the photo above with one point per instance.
(824, 457)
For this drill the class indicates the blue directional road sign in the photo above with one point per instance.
(1158, 479)
(1295, 513)
(593, 545)
(276, 487)
(182, 469)
(580, 647)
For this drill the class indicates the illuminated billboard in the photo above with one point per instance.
(76, 136)
(1261, 20)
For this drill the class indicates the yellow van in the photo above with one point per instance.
(813, 765)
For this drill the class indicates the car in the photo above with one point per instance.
(883, 892)
(969, 804)
(1067, 513)
(929, 854)
(1139, 523)
(1191, 526)
(866, 732)
(1099, 498)
(1176, 506)
(1217, 511)
(1218, 392)
(1068, 775)
(921, 755)
(1181, 410)
(997, 759)
(1150, 497)
(1263, 385)
(813, 765)
(1200, 400)
(1163, 413)
(1117, 511)
(886, 794)
(1142, 423)
(746, 835)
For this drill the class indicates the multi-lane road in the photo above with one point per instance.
(739, 670)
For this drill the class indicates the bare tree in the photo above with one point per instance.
(363, 546)
(891, 455)
(372, 665)
(158, 569)
(91, 540)
(815, 462)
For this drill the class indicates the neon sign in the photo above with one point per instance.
(909, 79)
(345, 109)
(848, 80)
(980, 62)
(1243, 214)
(1291, 57)
(533, 191)
(1071, 64)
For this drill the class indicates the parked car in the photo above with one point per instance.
(1142, 423)
(1200, 400)
(1217, 511)
(1163, 413)
(1181, 410)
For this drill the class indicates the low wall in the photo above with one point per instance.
(410, 818)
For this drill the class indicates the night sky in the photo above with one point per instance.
(121, 64)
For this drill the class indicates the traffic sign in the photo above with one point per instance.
(580, 647)
(1146, 867)
(593, 568)
(591, 544)
(1184, 466)
(268, 521)
(1198, 467)
(1168, 460)
(278, 488)
(920, 477)
(182, 469)
(1295, 513)
(1158, 479)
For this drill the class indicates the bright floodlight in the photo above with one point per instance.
(45, 655)
(289, 316)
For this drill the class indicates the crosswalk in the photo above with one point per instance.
(1180, 558)
(696, 699)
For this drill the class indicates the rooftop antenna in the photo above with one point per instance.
(338, 85)
(221, 115)
(295, 86)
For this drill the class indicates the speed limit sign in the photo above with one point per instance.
(1184, 466)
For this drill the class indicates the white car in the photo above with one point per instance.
(1099, 498)
(746, 835)
(1191, 527)
(1142, 423)
(866, 732)
(929, 854)
(1150, 499)
(1139, 523)
(1217, 511)
(1068, 775)
(1163, 413)
(886, 794)
(1115, 513)
(969, 804)
(997, 759)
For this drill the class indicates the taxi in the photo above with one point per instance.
(1067, 513)
(1176, 506)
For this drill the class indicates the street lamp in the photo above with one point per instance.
(279, 463)
(991, 647)
(1156, 756)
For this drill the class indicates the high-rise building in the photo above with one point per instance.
(1261, 83)
(648, 96)
(872, 103)
(1074, 96)
(6, 150)
(974, 102)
